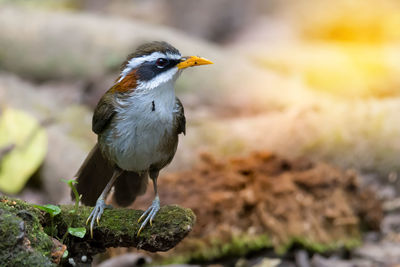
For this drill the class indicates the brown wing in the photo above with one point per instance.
(179, 117)
(103, 112)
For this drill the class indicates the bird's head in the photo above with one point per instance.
(153, 64)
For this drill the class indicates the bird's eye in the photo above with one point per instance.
(162, 62)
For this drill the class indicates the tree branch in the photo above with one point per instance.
(118, 228)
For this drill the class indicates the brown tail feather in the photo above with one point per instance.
(93, 176)
(128, 186)
(96, 172)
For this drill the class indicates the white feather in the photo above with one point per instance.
(136, 61)
(141, 128)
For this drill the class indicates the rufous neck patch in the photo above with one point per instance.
(128, 83)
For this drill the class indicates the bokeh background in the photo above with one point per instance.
(293, 82)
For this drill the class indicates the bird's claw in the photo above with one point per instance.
(149, 214)
(95, 215)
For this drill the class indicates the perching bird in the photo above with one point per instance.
(137, 122)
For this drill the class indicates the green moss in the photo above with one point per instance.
(22, 240)
(118, 227)
(10, 228)
(216, 249)
(126, 220)
(242, 245)
(319, 247)
(171, 225)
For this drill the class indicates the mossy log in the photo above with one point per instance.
(26, 229)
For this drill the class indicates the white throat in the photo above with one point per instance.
(146, 117)
(155, 98)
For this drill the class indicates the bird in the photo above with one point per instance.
(137, 122)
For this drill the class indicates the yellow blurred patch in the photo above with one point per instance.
(363, 21)
(349, 70)
(23, 143)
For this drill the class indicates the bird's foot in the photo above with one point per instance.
(149, 214)
(96, 213)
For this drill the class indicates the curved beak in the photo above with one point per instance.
(193, 61)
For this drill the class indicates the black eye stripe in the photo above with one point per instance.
(164, 62)
(150, 69)
(174, 62)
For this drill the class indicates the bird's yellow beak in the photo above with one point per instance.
(193, 61)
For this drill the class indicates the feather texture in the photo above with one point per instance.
(93, 176)
(96, 172)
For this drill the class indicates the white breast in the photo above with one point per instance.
(145, 117)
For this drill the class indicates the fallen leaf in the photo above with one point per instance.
(29, 141)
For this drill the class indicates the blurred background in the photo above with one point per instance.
(292, 151)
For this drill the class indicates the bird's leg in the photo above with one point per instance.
(98, 210)
(151, 212)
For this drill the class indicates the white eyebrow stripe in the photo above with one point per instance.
(135, 62)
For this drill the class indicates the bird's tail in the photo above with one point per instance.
(128, 186)
(96, 172)
(93, 176)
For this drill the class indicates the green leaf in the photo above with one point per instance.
(65, 254)
(26, 144)
(78, 232)
(53, 210)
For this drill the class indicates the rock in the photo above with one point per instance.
(267, 262)
(385, 252)
(302, 259)
(391, 224)
(126, 260)
(320, 261)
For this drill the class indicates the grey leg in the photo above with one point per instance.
(151, 212)
(98, 210)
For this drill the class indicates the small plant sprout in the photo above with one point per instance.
(71, 184)
(79, 231)
(53, 210)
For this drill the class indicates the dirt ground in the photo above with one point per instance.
(315, 204)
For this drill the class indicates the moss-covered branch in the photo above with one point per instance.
(118, 228)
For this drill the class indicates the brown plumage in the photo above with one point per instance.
(127, 84)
